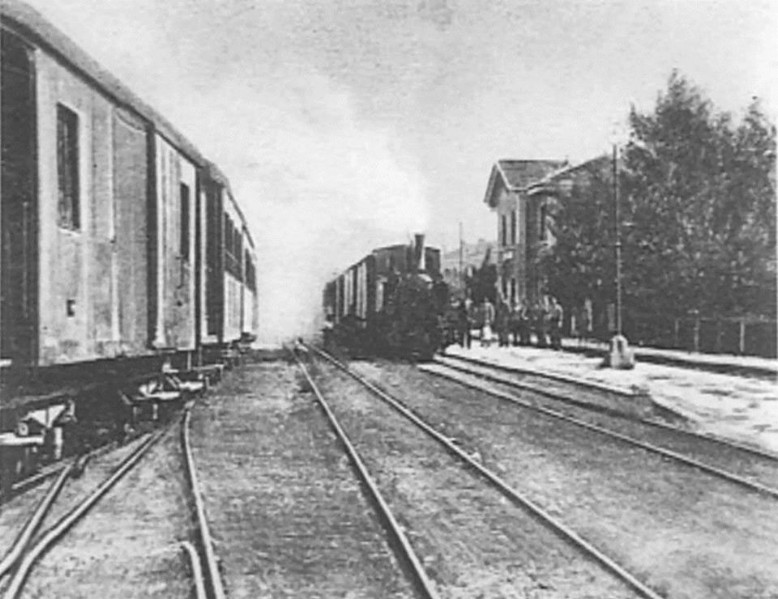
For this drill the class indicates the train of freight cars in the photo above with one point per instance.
(391, 303)
(119, 239)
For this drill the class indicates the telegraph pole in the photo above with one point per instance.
(619, 355)
(617, 243)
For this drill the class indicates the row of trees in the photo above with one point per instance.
(698, 213)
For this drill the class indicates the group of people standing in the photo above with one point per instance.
(516, 324)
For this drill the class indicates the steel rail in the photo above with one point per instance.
(425, 585)
(53, 534)
(549, 374)
(556, 525)
(723, 474)
(33, 522)
(197, 569)
(212, 575)
(24, 484)
(191, 555)
(763, 453)
(52, 470)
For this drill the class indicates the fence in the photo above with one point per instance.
(748, 336)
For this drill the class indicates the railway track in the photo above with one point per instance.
(291, 517)
(528, 508)
(211, 578)
(33, 541)
(748, 467)
(116, 388)
(407, 555)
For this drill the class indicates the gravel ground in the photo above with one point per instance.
(286, 511)
(751, 466)
(684, 533)
(471, 539)
(16, 511)
(127, 545)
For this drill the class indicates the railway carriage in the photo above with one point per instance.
(119, 239)
(122, 251)
(228, 292)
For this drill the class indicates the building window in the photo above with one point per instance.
(67, 168)
(513, 227)
(239, 249)
(503, 230)
(184, 221)
(227, 232)
(379, 296)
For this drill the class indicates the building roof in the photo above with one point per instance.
(518, 175)
(551, 182)
(472, 254)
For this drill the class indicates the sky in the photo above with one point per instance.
(348, 125)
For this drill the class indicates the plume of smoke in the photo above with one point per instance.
(319, 187)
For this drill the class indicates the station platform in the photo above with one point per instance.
(733, 406)
(727, 363)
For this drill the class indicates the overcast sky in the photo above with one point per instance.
(345, 125)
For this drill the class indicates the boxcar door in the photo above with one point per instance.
(18, 206)
(130, 188)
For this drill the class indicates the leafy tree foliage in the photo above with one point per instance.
(697, 193)
(577, 252)
(483, 281)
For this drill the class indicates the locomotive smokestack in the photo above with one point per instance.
(418, 252)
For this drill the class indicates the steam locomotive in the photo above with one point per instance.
(391, 303)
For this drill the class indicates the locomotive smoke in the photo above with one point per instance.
(323, 188)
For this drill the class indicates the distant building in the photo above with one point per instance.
(472, 256)
(520, 223)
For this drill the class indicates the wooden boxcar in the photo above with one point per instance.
(118, 237)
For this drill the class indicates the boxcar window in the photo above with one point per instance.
(67, 168)
(184, 221)
(251, 275)
(232, 248)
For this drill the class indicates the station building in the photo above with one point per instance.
(520, 223)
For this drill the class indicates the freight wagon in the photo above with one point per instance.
(119, 238)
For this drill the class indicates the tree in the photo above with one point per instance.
(700, 195)
(483, 282)
(576, 255)
(697, 195)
